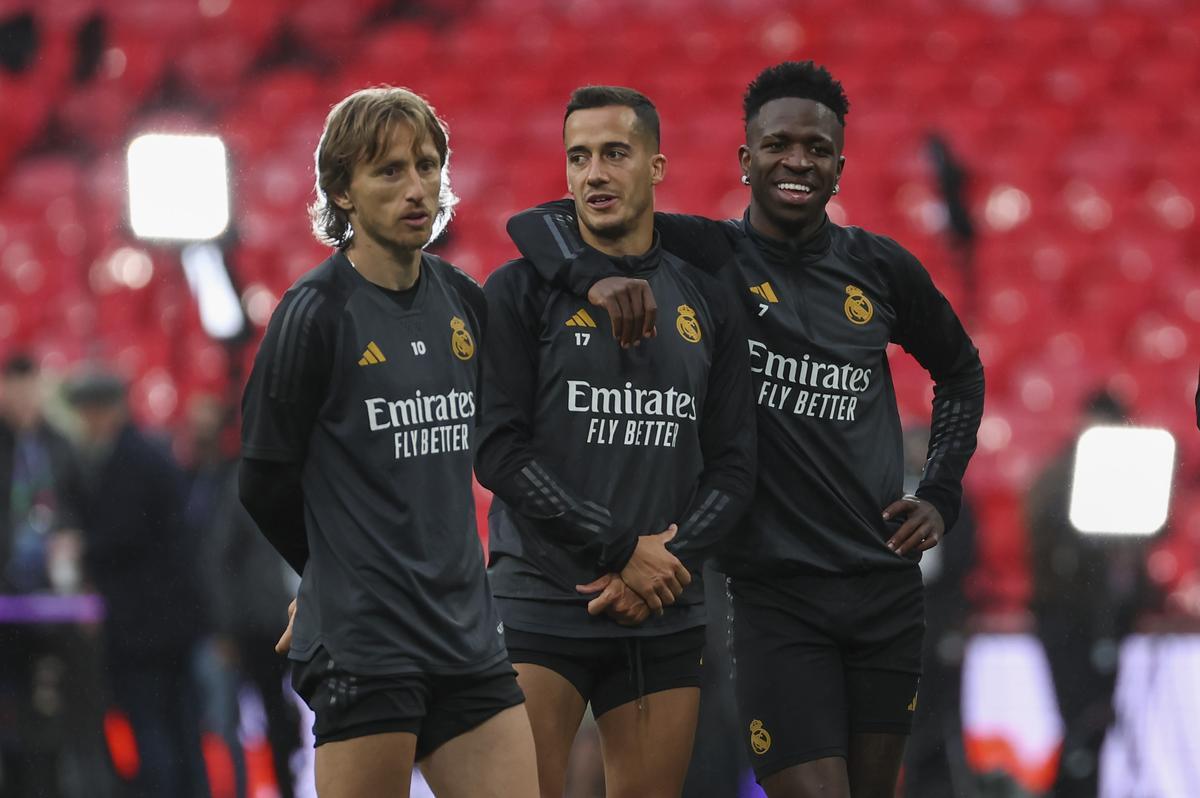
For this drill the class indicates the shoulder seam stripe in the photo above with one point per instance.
(301, 346)
(282, 346)
(296, 343)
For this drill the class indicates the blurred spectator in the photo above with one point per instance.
(50, 701)
(247, 590)
(935, 763)
(36, 462)
(1086, 592)
(136, 550)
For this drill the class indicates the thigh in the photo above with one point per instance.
(493, 760)
(641, 666)
(647, 744)
(885, 635)
(790, 684)
(555, 709)
(373, 766)
(646, 705)
(557, 676)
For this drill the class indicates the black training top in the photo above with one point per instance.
(377, 401)
(819, 319)
(588, 446)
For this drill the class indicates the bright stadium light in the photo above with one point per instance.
(220, 311)
(1122, 483)
(178, 187)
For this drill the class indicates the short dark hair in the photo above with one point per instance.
(803, 79)
(603, 96)
(19, 364)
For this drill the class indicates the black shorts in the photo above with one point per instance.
(818, 658)
(434, 708)
(609, 672)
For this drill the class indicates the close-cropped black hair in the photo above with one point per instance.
(603, 96)
(802, 79)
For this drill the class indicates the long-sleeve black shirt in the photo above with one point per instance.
(588, 446)
(819, 319)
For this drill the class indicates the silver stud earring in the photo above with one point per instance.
(745, 180)
(837, 187)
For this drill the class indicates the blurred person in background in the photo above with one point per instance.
(50, 696)
(828, 601)
(1087, 590)
(247, 588)
(935, 763)
(139, 555)
(358, 427)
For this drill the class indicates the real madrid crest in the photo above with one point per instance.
(461, 342)
(858, 308)
(760, 738)
(687, 325)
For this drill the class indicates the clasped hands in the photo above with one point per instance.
(652, 579)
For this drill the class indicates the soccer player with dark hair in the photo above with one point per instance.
(826, 593)
(357, 442)
(617, 471)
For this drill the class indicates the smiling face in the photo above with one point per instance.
(793, 159)
(392, 199)
(612, 168)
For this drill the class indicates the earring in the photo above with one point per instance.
(745, 180)
(837, 187)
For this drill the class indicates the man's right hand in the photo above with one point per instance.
(630, 306)
(654, 573)
(285, 640)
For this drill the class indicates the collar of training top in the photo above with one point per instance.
(640, 264)
(790, 251)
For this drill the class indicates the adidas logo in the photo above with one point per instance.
(765, 291)
(372, 355)
(581, 319)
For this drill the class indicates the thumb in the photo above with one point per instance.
(596, 585)
(669, 534)
(601, 603)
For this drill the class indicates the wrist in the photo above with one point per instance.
(618, 555)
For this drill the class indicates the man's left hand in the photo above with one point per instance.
(616, 600)
(923, 527)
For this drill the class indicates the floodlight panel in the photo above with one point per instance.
(1122, 481)
(178, 187)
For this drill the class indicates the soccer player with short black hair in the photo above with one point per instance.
(826, 593)
(357, 441)
(617, 471)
